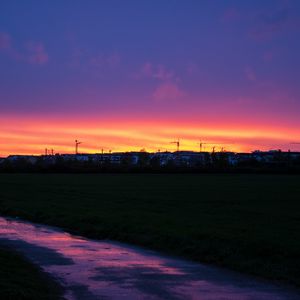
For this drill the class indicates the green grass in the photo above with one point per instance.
(20, 280)
(249, 223)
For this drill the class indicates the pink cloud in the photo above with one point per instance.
(192, 68)
(147, 69)
(270, 24)
(97, 60)
(113, 60)
(162, 73)
(36, 53)
(230, 14)
(167, 88)
(102, 60)
(273, 23)
(250, 74)
(159, 72)
(5, 40)
(33, 52)
(268, 56)
(76, 57)
(168, 91)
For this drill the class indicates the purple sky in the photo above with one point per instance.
(207, 61)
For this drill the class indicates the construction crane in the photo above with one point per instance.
(222, 148)
(177, 144)
(77, 143)
(49, 151)
(103, 149)
(214, 147)
(201, 145)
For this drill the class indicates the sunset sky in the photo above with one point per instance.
(127, 75)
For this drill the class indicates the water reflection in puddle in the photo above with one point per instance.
(91, 269)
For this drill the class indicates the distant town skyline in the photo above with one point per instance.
(131, 75)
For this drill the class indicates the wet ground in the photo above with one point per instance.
(90, 269)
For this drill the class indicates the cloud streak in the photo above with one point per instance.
(81, 57)
(231, 14)
(5, 40)
(158, 72)
(32, 52)
(250, 74)
(270, 24)
(36, 53)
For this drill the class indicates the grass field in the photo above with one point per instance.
(20, 280)
(249, 223)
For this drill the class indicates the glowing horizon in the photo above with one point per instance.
(20, 136)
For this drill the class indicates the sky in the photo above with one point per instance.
(139, 74)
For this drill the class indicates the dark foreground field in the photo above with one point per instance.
(249, 223)
(22, 281)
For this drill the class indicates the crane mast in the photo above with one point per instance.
(177, 144)
(77, 143)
